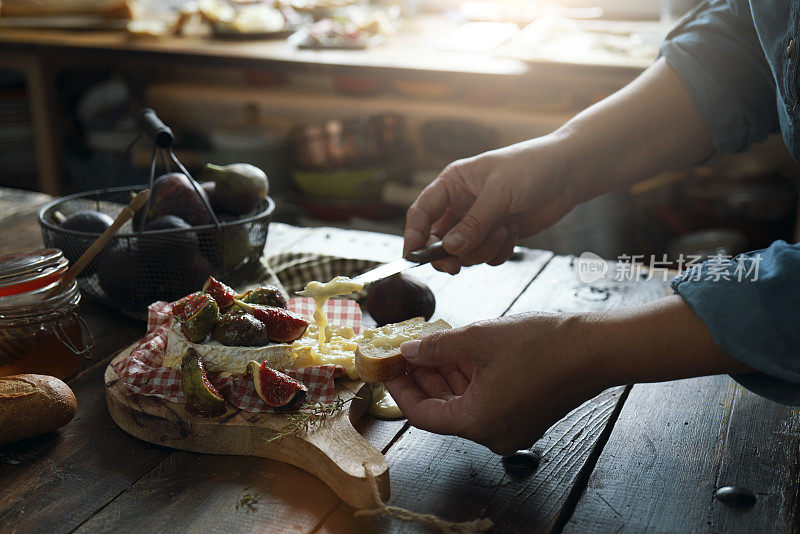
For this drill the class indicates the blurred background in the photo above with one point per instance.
(352, 107)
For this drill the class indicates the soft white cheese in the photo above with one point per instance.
(392, 336)
(220, 358)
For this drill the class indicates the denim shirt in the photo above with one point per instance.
(739, 61)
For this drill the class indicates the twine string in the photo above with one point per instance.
(401, 514)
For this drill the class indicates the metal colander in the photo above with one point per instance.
(138, 267)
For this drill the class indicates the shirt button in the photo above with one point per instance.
(790, 48)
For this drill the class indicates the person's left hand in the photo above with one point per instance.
(501, 382)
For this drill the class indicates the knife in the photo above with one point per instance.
(434, 252)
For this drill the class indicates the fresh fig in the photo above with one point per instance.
(73, 246)
(211, 192)
(240, 330)
(197, 313)
(175, 194)
(220, 292)
(240, 187)
(202, 397)
(119, 273)
(173, 246)
(229, 246)
(275, 388)
(284, 326)
(266, 296)
(398, 298)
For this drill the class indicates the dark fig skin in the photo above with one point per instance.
(74, 246)
(87, 221)
(173, 262)
(173, 194)
(398, 298)
(166, 246)
(266, 296)
(241, 187)
(211, 192)
(119, 274)
(240, 330)
(228, 247)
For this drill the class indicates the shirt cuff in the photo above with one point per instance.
(740, 324)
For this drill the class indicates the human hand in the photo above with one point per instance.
(504, 382)
(501, 382)
(483, 205)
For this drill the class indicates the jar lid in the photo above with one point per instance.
(27, 271)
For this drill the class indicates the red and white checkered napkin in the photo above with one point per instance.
(142, 372)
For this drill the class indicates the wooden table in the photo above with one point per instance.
(641, 457)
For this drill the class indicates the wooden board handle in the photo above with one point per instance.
(337, 454)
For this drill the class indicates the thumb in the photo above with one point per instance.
(487, 210)
(440, 348)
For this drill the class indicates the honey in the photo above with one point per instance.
(41, 330)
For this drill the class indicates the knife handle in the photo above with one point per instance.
(434, 252)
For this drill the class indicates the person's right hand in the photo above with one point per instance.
(482, 205)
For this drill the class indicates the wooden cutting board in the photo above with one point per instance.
(333, 451)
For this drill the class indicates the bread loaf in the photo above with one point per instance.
(378, 356)
(33, 404)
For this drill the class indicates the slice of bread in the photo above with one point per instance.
(378, 357)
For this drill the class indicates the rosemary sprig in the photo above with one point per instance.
(301, 422)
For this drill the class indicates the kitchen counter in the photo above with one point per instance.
(637, 457)
(410, 54)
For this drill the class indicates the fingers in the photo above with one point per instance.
(496, 249)
(431, 382)
(507, 248)
(442, 348)
(490, 206)
(432, 414)
(456, 380)
(427, 209)
(487, 250)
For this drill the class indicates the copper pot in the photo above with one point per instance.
(347, 143)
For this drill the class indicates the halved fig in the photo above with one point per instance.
(275, 388)
(202, 398)
(220, 292)
(284, 326)
(197, 313)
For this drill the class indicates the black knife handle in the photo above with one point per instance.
(434, 252)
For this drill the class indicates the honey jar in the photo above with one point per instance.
(41, 330)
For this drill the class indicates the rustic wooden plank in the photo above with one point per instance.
(21, 229)
(200, 493)
(53, 482)
(675, 443)
(460, 480)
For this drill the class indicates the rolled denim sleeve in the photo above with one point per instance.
(751, 306)
(717, 54)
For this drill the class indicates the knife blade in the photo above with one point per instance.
(430, 254)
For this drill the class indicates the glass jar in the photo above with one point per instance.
(41, 331)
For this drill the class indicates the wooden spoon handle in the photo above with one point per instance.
(137, 201)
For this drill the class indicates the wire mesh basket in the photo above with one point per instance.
(139, 266)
